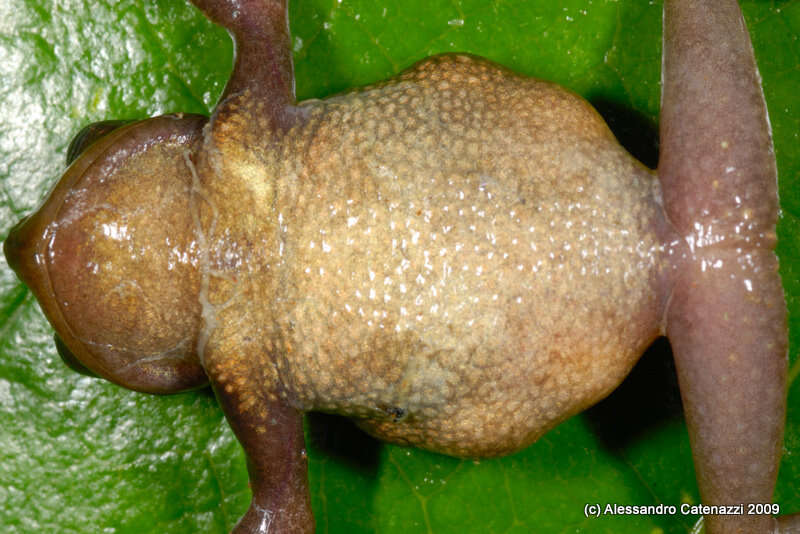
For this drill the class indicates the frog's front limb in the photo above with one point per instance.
(271, 433)
(726, 318)
(260, 31)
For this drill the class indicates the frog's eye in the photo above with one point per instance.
(68, 358)
(88, 135)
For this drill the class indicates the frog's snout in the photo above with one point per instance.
(24, 250)
(18, 251)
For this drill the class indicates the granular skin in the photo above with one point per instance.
(459, 258)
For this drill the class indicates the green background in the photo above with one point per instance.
(79, 455)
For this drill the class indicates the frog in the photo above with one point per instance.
(434, 256)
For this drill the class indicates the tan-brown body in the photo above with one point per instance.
(442, 256)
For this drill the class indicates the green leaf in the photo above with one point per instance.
(79, 455)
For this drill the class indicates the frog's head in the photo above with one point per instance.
(111, 255)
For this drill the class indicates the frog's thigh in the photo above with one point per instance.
(726, 319)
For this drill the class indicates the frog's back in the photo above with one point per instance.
(469, 258)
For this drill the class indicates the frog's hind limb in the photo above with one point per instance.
(727, 318)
